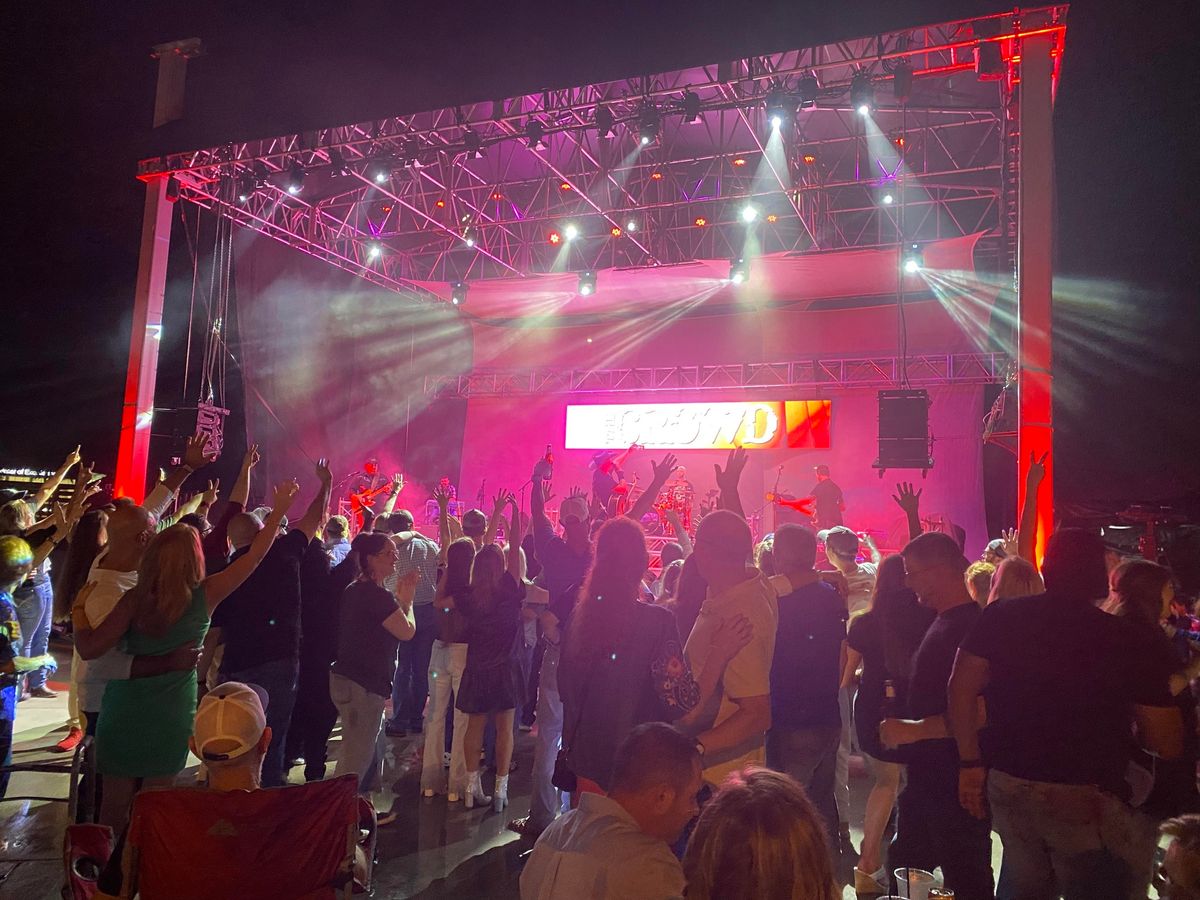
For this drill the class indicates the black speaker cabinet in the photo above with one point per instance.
(904, 441)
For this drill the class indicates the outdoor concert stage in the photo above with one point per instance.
(791, 232)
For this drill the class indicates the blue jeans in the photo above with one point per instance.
(810, 755)
(34, 602)
(278, 678)
(546, 802)
(411, 687)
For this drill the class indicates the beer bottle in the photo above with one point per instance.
(941, 893)
(891, 708)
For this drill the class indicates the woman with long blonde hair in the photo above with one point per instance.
(759, 838)
(145, 723)
(1015, 577)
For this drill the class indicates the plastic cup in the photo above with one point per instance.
(914, 884)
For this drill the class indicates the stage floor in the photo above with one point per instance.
(433, 850)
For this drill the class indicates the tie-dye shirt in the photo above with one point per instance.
(10, 649)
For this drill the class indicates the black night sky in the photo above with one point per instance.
(79, 99)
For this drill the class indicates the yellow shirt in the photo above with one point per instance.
(748, 673)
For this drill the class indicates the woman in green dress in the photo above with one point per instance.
(144, 726)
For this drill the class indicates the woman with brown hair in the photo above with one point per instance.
(759, 838)
(145, 723)
(623, 662)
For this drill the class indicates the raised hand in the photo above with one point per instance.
(442, 496)
(1037, 470)
(72, 458)
(500, 501)
(285, 493)
(197, 454)
(906, 498)
(323, 473)
(397, 482)
(547, 492)
(1010, 542)
(663, 469)
(250, 460)
(728, 479)
(576, 492)
(209, 497)
(409, 579)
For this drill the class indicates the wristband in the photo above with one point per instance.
(971, 764)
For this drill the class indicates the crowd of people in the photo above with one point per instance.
(694, 723)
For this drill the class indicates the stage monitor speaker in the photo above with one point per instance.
(904, 441)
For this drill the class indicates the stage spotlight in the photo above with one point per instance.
(691, 107)
(700, 221)
(781, 108)
(571, 231)
(534, 132)
(862, 94)
(337, 163)
(913, 259)
(808, 88)
(379, 169)
(554, 238)
(373, 251)
(749, 213)
(888, 199)
(473, 144)
(648, 125)
(587, 283)
(902, 81)
(293, 179)
(458, 292)
(739, 161)
(604, 121)
(615, 231)
(469, 237)
(739, 270)
(631, 225)
(772, 218)
(412, 153)
(245, 188)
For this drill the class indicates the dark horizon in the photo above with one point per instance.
(1126, 259)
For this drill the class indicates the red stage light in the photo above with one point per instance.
(656, 176)
(564, 186)
(809, 159)
(496, 195)
(772, 218)
(700, 222)
(615, 231)
(555, 238)
(739, 162)
(387, 209)
(441, 204)
(900, 141)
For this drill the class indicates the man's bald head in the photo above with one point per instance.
(723, 545)
(129, 524)
(242, 529)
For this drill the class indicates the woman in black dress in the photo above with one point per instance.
(492, 609)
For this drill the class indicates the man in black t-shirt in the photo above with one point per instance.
(810, 653)
(1064, 684)
(828, 504)
(260, 621)
(932, 829)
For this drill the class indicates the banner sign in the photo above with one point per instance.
(755, 425)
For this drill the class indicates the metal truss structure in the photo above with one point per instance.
(825, 374)
(654, 170)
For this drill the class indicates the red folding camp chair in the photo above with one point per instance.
(292, 842)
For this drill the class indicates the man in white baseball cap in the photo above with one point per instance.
(231, 736)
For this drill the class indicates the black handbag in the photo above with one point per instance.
(564, 777)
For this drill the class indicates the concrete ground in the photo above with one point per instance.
(433, 850)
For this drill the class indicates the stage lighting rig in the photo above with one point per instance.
(337, 163)
(807, 89)
(781, 108)
(379, 169)
(374, 251)
(571, 231)
(534, 134)
(691, 107)
(587, 283)
(604, 121)
(473, 144)
(739, 270)
(648, 124)
(246, 186)
(412, 152)
(862, 94)
(749, 213)
(293, 179)
(458, 292)
(912, 260)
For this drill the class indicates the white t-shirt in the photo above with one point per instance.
(861, 584)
